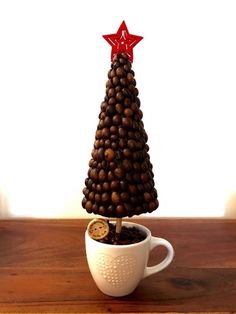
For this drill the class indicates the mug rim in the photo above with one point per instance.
(124, 223)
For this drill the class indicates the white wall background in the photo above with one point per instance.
(53, 68)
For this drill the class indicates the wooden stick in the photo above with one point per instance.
(118, 225)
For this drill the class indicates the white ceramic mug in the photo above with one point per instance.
(118, 269)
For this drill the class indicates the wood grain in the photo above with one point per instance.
(43, 269)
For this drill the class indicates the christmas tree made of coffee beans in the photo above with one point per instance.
(120, 177)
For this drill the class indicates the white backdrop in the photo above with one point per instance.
(53, 69)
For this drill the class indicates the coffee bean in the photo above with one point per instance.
(114, 137)
(115, 64)
(96, 144)
(97, 198)
(128, 112)
(122, 132)
(144, 166)
(127, 67)
(119, 108)
(124, 185)
(112, 101)
(84, 201)
(113, 129)
(110, 110)
(118, 88)
(127, 153)
(124, 196)
(127, 101)
(145, 176)
(98, 134)
(102, 211)
(131, 135)
(132, 144)
(136, 166)
(109, 154)
(106, 186)
(147, 186)
(100, 154)
(140, 113)
(115, 80)
(111, 74)
(107, 143)
(95, 209)
(99, 166)
(147, 197)
(120, 96)
(116, 120)
(136, 92)
(128, 177)
(111, 92)
(89, 183)
(105, 132)
(130, 77)
(95, 163)
(114, 145)
(91, 196)
(108, 84)
(127, 122)
(138, 210)
(86, 191)
(120, 72)
(120, 211)
(101, 143)
(137, 156)
(126, 92)
(104, 104)
(119, 173)
(122, 143)
(152, 206)
(101, 124)
(136, 118)
(107, 122)
(93, 174)
(136, 177)
(134, 107)
(154, 193)
(132, 189)
(124, 81)
(129, 209)
(112, 165)
(122, 60)
(111, 211)
(105, 197)
(90, 165)
(115, 185)
(102, 175)
(134, 200)
(127, 165)
(115, 197)
(110, 176)
(88, 206)
(132, 89)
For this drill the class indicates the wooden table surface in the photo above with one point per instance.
(43, 269)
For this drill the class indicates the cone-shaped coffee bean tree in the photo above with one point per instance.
(120, 177)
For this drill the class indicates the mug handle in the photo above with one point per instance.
(169, 257)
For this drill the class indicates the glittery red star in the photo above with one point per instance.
(122, 41)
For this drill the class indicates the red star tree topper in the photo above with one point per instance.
(122, 41)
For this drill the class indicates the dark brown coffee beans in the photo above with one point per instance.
(120, 178)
